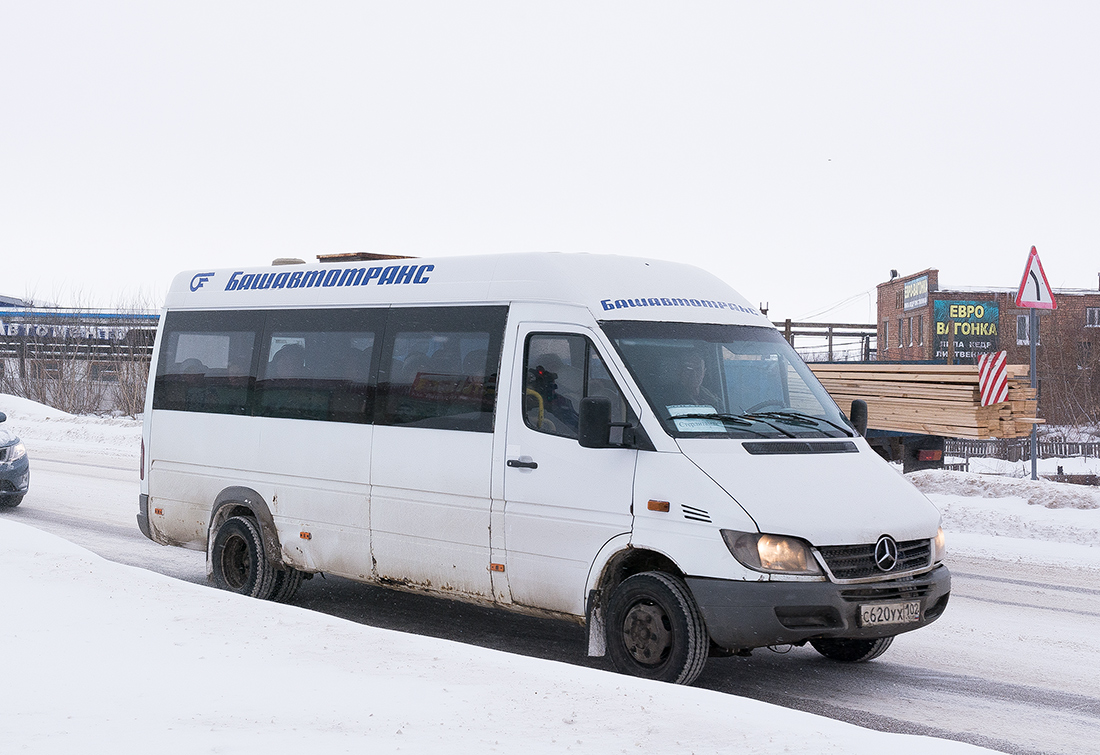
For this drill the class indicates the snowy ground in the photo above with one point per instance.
(1022, 469)
(108, 658)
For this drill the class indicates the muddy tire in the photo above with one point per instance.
(287, 582)
(655, 630)
(852, 651)
(238, 559)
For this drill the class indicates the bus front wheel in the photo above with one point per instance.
(655, 630)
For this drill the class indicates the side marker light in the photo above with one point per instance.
(659, 506)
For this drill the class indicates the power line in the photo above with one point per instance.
(837, 305)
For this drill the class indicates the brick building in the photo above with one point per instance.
(919, 320)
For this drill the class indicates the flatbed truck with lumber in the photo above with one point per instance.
(912, 407)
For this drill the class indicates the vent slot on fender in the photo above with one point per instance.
(695, 514)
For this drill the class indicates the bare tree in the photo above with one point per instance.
(1069, 373)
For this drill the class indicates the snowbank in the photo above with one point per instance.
(108, 658)
(44, 429)
(27, 409)
(1006, 519)
(1051, 495)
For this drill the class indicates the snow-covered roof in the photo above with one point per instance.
(1012, 291)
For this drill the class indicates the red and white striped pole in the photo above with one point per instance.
(993, 377)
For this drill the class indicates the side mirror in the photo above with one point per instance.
(595, 422)
(859, 416)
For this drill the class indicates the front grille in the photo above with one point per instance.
(858, 561)
(5, 452)
(902, 589)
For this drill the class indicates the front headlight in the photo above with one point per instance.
(16, 452)
(775, 554)
(939, 546)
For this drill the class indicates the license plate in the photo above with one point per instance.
(875, 614)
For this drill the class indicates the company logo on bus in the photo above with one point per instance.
(199, 279)
(330, 278)
(613, 304)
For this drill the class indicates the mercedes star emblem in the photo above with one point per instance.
(886, 553)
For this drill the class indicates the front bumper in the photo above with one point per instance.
(745, 615)
(15, 478)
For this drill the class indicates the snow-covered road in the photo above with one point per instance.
(1012, 665)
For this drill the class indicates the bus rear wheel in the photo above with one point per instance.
(238, 559)
(287, 582)
(655, 630)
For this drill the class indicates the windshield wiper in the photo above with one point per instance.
(732, 419)
(800, 418)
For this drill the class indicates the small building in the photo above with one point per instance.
(920, 320)
(75, 359)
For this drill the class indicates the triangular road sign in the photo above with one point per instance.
(1035, 292)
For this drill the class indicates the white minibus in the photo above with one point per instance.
(623, 442)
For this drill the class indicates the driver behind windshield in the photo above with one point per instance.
(686, 388)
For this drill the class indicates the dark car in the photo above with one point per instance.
(15, 469)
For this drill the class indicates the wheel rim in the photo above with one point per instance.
(647, 633)
(236, 562)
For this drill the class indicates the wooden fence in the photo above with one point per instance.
(1019, 449)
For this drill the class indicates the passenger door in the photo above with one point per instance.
(562, 502)
(431, 462)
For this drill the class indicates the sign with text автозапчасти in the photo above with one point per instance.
(972, 325)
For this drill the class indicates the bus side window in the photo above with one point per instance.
(439, 367)
(317, 365)
(560, 370)
(553, 383)
(205, 361)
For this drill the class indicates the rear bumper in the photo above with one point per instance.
(744, 615)
(143, 516)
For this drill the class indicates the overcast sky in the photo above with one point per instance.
(798, 150)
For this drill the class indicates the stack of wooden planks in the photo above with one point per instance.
(932, 399)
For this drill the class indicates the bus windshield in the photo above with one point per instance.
(727, 381)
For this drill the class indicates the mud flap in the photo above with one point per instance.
(597, 638)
